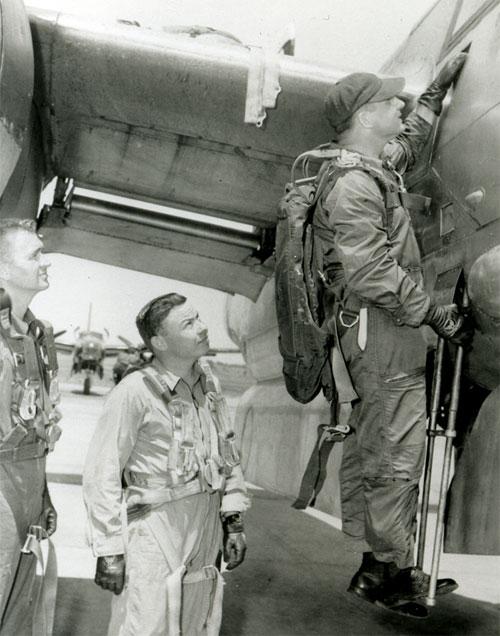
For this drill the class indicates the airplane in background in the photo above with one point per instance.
(88, 352)
(171, 151)
(132, 358)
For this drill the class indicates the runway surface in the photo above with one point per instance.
(292, 583)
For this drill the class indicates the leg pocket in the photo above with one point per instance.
(405, 414)
(146, 589)
(144, 554)
(407, 461)
(399, 350)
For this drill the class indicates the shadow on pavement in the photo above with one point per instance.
(292, 583)
(82, 608)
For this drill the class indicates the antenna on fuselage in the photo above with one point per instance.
(89, 317)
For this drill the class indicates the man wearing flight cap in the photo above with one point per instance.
(372, 266)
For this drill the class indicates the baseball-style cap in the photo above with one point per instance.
(357, 89)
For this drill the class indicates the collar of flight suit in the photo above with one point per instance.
(20, 327)
(351, 156)
(173, 380)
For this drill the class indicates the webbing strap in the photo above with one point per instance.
(174, 600)
(210, 573)
(45, 599)
(5, 309)
(156, 494)
(343, 383)
(315, 473)
(345, 388)
(215, 615)
(326, 184)
(156, 384)
(33, 450)
(391, 195)
(176, 580)
(206, 573)
(43, 335)
(207, 379)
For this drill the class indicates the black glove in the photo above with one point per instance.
(49, 514)
(435, 93)
(110, 572)
(449, 323)
(235, 544)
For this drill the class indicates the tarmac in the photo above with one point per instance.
(293, 581)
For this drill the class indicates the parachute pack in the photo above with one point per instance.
(305, 341)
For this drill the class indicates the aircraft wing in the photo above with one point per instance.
(159, 118)
(64, 347)
(110, 352)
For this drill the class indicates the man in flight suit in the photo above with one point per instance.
(373, 267)
(28, 426)
(164, 446)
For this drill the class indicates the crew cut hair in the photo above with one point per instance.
(151, 316)
(11, 224)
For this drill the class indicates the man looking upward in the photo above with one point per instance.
(373, 270)
(164, 445)
(28, 422)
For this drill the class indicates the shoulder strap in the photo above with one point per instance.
(156, 384)
(43, 336)
(326, 180)
(328, 174)
(208, 383)
(5, 309)
(390, 193)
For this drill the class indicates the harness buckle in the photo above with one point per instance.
(212, 475)
(54, 393)
(348, 314)
(335, 433)
(27, 408)
(187, 456)
(230, 455)
(19, 359)
(35, 533)
(322, 277)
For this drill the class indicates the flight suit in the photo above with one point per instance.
(372, 260)
(166, 451)
(28, 431)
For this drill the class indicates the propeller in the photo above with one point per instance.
(127, 342)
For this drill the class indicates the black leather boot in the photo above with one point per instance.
(372, 577)
(411, 584)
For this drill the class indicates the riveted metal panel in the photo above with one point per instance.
(161, 118)
(16, 85)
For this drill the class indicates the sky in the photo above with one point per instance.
(348, 34)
